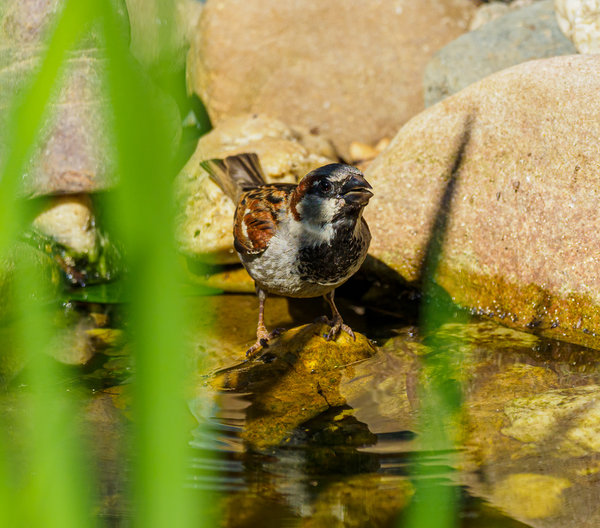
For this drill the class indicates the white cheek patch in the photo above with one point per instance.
(317, 215)
(319, 210)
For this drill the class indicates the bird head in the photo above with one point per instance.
(331, 194)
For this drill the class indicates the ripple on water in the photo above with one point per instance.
(351, 464)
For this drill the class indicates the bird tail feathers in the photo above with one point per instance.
(235, 174)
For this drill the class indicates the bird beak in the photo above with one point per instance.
(356, 191)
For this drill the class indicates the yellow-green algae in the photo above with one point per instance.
(232, 278)
(492, 387)
(300, 381)
(222, 327)
(574, 318)
(568, 417)
(530, 496)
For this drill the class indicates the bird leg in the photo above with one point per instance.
(263, 336)
(336, 322)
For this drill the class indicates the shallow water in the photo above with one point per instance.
(526, 448)
(526, 452)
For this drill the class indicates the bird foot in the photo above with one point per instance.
(262, 341)
(337, 326)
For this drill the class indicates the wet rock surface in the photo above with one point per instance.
(521, 35)
(320, 432)
(366, 500)
(295, 380)
(572, 413)
(526, 400)
(361, 90)
(529, 416)
(511, 187)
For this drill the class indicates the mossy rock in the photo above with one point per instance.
(296, 379)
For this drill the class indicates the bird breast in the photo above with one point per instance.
(302, 261)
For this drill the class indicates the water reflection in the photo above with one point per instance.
(313, 439)
(528, 439)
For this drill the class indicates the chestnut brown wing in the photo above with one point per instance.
(256, 217)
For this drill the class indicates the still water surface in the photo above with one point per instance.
(287, 441)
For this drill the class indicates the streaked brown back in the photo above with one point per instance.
(256, 217)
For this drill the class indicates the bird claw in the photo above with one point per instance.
(262, 341)
(337, 326)
(336, 329)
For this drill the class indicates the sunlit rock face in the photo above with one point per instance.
(580, 21)
(351, 69)
(508, 169)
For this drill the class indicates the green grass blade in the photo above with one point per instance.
(58, 492)
(27, 112)
(49, 491)
(144, 209)
(435, 504)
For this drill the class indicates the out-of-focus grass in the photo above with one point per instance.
(54, 487)
(436, 500)
(145, 160)
(49, 491)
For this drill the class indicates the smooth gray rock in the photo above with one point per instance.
(526, 34)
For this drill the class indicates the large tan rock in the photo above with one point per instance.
(205, 215)
(351, 69)
(510, 169)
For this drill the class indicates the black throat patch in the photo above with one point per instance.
(330, 263)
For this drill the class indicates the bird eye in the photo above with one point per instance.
(325, 186)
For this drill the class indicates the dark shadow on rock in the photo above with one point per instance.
(376, 301)
(434, 246)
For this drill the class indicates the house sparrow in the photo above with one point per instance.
(300, 240)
